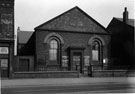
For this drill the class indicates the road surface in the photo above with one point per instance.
(86, 88)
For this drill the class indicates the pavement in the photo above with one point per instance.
(7, 83)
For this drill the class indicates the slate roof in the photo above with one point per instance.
(24, 36)
(74, 19)
(117, 25)
(130, 21)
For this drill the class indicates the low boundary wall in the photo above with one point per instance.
(113, 73)
(46, 74)
(73, 74)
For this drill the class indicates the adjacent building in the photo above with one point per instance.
(6, 37)
(22, 39)
(122, 42)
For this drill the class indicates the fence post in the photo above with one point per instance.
(77, 70)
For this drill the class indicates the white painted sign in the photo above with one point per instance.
(4, 50)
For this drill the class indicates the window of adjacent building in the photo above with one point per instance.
(4, 50)
(53, 50)
(95, 51)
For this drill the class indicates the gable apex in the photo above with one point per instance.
(74, 19)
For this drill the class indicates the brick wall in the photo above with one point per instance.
(70, 39)
(48, 74)
(24, 63)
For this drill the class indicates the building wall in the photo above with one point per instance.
(24, 64)
(70, 39)
(7, 59)
(75, 31)
(7, 19)
(7, 36)
(122, 44)
(29, 48)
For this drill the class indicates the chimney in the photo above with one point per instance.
(18, 29)
(125, 16)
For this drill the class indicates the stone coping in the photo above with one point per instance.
(47, 72)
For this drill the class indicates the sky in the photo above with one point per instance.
(31, 13)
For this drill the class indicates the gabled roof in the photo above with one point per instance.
(130, 21)
(74, 19)
(24, 36)
(117, 25)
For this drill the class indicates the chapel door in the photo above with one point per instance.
(77, 62)
(76, 59)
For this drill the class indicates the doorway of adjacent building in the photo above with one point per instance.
(23, 65)
(4, 68)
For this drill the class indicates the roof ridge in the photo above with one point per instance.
(25, 31)
(122, 18)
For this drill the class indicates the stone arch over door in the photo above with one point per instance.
(49, 36)
(96, 37)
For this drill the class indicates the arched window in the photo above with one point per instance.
(53, 51)
(95, 51)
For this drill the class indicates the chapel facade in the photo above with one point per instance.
(69, 42)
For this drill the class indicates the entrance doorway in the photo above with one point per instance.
(77, 61)
(76, 55)
(4, 68)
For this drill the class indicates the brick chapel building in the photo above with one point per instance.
(69, 42)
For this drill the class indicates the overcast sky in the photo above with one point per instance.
(31, 13)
